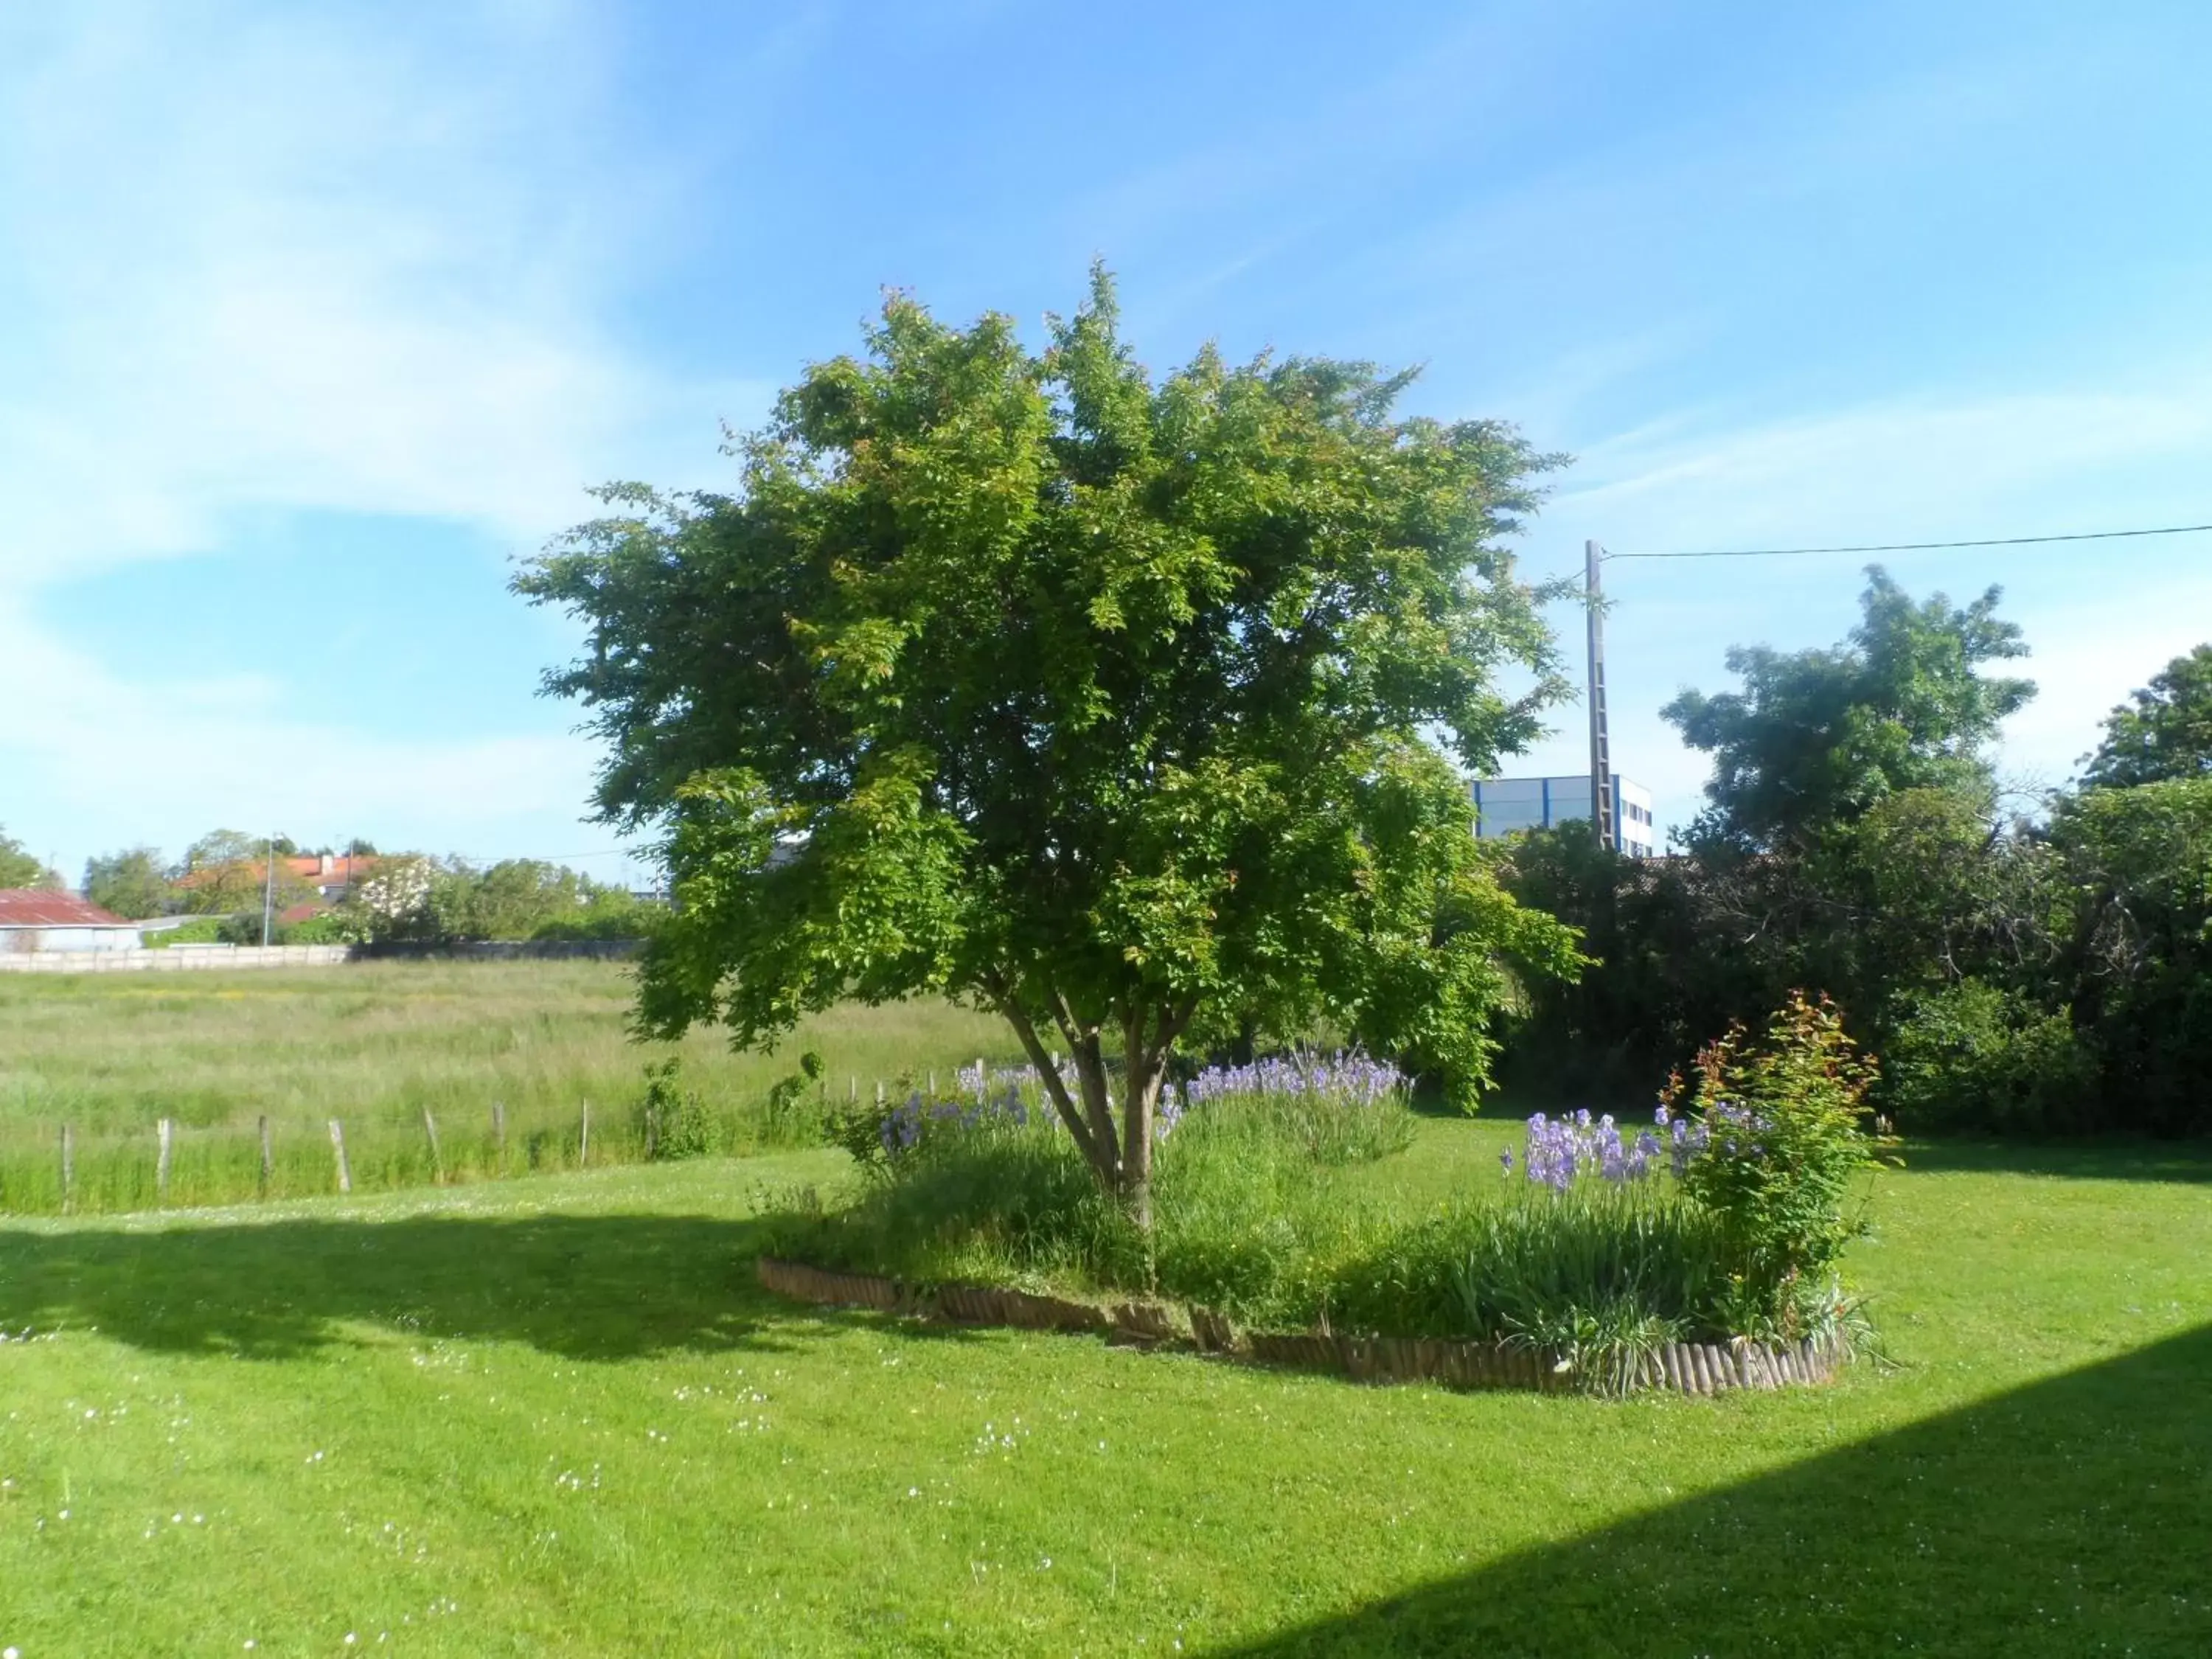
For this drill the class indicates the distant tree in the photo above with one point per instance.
(20, 868)
(1104, 704)
(132, 883)
(2163, 733)
(1816, 737)
(226, 872)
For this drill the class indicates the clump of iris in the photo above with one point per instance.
(1558, 1152)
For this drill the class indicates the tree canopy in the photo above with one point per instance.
(2164, 732)
(1104, 704)
(130, 883)
(1816, 737)
(19, 867)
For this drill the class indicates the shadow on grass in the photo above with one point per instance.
(2071, 1516)
(587, 1287)
(2131, 1159)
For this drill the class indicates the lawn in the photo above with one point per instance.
(376, 1046)
(556, 1414)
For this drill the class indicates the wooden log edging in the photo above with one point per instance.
(1691, 1368)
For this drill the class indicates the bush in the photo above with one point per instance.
(1974, 1056)
(1780, 1119)
(671, 1120)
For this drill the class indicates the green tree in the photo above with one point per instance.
(20, 868)
(226, 872)
(2163, 731)
(1816, 737)
(130, 883)
(1100, 702)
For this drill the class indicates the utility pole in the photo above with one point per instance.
(1600, 742)
(269, 896)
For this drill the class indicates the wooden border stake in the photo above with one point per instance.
(338, 1151)
(166, 1129)
(437, 1161)
(268, 1157)
(68, 1168)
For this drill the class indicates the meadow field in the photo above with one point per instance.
(376, 1045)
(555, 1413)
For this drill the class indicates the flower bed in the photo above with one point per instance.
(1699, 1252)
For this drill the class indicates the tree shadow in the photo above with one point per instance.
(2112, 1158)
(2071, 1517)
(586, 1287)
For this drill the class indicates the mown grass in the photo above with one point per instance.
(375, 1045)
(556, 1415)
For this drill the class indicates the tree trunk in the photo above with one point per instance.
(1119, 1156)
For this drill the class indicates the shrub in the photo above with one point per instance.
(1781, 1118)
(671, 1120)
(1973, 1056)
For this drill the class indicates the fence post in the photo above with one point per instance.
(852, 1090)
(167, 1131)
(268, 1158)
(337, 1150)
(69, 1167)
(932, 1083)
(584, 1144)
(437, 1162)
(499, 1138)
(652, 1132)
(880, 1091)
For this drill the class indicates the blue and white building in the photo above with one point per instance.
(1505, 806)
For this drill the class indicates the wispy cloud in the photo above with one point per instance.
(260, 259)
(292, 260)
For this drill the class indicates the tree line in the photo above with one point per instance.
(2022, 965)
(226, 880)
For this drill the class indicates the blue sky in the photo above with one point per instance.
(312, 319)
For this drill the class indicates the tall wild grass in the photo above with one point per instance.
(377, 1044)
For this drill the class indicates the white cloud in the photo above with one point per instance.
(301, 258)
(296, 260)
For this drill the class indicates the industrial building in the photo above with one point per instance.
(1504, 806)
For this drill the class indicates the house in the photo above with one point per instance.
(333, 875)
(35, 919)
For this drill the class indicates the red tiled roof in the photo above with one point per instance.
(292, 912)
(33, 906)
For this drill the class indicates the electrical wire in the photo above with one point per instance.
(1915, 547)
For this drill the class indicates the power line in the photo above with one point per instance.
(1919, 547)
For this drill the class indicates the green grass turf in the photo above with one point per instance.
(556, 1415)
(374, 1045)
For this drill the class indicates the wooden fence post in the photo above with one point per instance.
(852, 1090)
(499, 1138)
(584, 1144)
(932, 1083)
(437, 1162)
(268, 1157)
(880, 1091)
(652, 1132)
(167, 1131)
(337, 1150)
(69, 1167)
